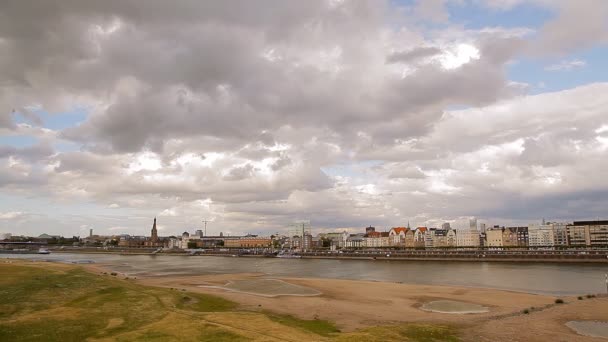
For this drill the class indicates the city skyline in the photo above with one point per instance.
(256, 115)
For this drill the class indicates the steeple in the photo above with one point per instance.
(408, 224)
(154, 234)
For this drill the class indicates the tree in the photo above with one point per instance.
(191, 244)
(325, 242)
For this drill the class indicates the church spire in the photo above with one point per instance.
(154, 233)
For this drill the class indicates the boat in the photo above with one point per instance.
(43, 251)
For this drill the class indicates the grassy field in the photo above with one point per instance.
(55, 302)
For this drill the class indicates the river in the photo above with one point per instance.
(550, 278)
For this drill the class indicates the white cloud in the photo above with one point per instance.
(11, 215)
(567, 65)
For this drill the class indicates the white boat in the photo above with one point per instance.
(43, 251)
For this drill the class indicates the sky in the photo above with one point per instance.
(254, 115)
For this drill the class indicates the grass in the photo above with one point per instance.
(53, 302)
(204, 303)
(316, 326)
(409, 332)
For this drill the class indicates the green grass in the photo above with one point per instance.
(214, 334)
(427, 333)
(204, 303)
(317, 326)
(407, 332)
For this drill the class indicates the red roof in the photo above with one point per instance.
(399, 230)
(422, 229)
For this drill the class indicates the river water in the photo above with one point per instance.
(550, 278)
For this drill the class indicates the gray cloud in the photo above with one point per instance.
(413, 55)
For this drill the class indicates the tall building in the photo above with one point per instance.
(91, 232)
(482, 227)
(473, 223)
(445, 225)
(154, 235)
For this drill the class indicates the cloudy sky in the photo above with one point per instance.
(257, 114)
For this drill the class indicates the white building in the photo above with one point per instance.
(355, 241)
(467, 238)
(397, 236)
(376, 242)
(541, 235)
(174, 243)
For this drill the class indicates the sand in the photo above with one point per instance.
(353, 305)
(356, 304)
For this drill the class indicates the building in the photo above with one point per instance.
(397, 236)
(541, 235)
(409, 238)
(515, 237)
(473, 223)
(355, 241)
(494, 237)
(467, 238)
(377, 240)
(419, 236)
(438, 238)
(588, 233)
(338, 240)
(249, 241)
(560, 234)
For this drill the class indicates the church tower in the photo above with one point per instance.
(154, 232)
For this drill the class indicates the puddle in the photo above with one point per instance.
(454, 307)
(268, 288)
(589, 328)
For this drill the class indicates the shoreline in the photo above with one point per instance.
(526, 259)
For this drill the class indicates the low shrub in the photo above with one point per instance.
(559, 301)
(580, 298)
(526, 311)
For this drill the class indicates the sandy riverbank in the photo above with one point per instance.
(359, 304)
(356, 304)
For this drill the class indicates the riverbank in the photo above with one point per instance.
(356, 305)
(96, 305)
(591, 257)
